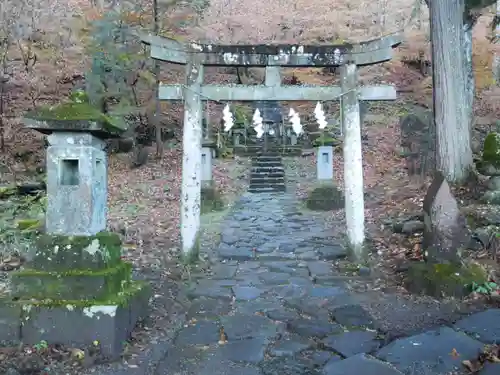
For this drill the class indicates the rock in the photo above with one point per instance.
(288, 347)
(494, 183)
(489, 369)
(247, 350)
(288, 366)
(212, 289)
(359, 364)
(480, 215)
(242, 326)
(245, 293)
(202, 333)
(445, 228)
(483, 326)
(351, 343)
(476, 146)
(313, 328)
(332, 252)
(208, 308)
(483, 237)
(430, 352)
(412, 227)
(282, 314)
(351, 316)
(224, 271)
(320, 269)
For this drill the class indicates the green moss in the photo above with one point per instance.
(79, 96)
(127, 267)
(123, 298)
(71, 253)
(325, 197)
(30, 283)
(29, 224)
(78, 111)
(68, 111)
(491, 149)
(7, 191)
(325, 140)
(443, 280)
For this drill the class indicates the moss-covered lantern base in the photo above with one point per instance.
(443, 280)
(78, 282)
(211, 199)
(325, 196)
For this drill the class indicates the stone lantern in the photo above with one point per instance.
(75, 289)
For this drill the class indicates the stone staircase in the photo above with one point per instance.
(267, 173)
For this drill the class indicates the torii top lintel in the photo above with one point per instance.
(286, 55)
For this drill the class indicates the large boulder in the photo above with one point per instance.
(446, 232)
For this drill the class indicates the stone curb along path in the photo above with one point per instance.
(275, 306)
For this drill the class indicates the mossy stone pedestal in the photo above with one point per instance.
(211, 198)
(75, 290)
(325, 196)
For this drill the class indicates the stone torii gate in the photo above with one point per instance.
(347, 56)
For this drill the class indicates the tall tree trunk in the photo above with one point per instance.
(470, 84)
(496, 57)
(157, 110)
(454, 154)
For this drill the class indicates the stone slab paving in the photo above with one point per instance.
(275, 306)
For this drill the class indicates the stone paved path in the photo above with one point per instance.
(283, 309)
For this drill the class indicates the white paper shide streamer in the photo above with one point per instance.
(257, 123)
(227, 117)
(295, 120)
(320, 116)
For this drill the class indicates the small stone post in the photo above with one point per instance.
(353, 161)
(324, 163)
(75, 276)
(206, 165)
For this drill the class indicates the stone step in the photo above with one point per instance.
(254, 151)
(273, 171)
(267, 189)
(267, 164)
(278, 187)
(267, 168)
(268, 158)
(270, 181)
(271, 176)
